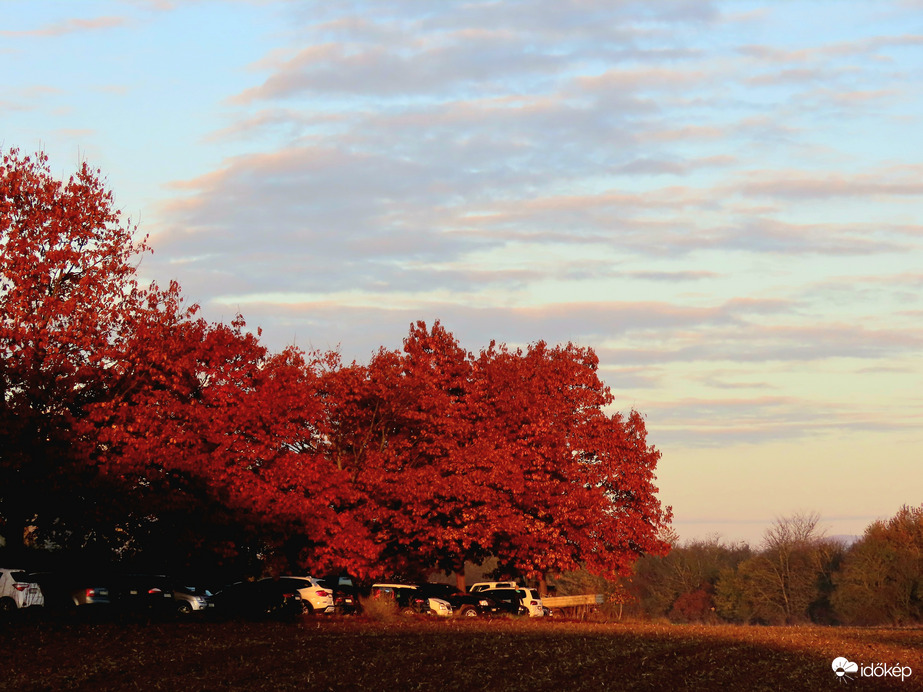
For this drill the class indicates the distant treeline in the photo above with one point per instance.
(796, 575)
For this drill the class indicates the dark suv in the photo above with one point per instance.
(259, 599)
(345, 594)
(463, 604)
(407, 597)
(508, 601)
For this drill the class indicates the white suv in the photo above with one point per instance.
(314, 597)
(533, 602)
(18, 591)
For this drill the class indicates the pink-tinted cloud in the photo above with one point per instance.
(69, 26)
(795, 185)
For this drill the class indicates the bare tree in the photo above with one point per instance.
(784, 579)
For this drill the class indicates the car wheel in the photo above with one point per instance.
(7, 605)
(184, 608)
(307, 607)
(408, 611)
(469, 612)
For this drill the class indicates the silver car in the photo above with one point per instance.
(188, 601)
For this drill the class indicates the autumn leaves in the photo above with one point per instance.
(130, 423)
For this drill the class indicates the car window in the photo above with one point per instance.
(505, 595)
(297, 583)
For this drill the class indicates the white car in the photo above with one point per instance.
(407, 595)
(533, 602)
(315, 597)
(18, 591)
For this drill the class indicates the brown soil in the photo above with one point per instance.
(357, 654)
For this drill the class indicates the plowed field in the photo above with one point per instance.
(357, 654)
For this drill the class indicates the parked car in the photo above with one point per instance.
(533, 602)
(315, 598)
(259, 599)
(410, 599)
(18, 590)
(147, 594)
(508, 601)
(187, 600)
(345, 595)
(79, 590)
(463, 604)
(528, 597)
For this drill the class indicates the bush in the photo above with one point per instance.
(379, 609)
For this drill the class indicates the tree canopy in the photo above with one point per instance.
(130, 423)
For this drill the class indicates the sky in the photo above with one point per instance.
(722, 199)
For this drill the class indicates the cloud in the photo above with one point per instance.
(69, 26)
(796, 185)
(759, 342)
(718, 422)
(396, 50)
(642, 178)
(673, 276)
(653, 166)
(861, 47)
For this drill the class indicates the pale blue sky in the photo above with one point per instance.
(721, 198)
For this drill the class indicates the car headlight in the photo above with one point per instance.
(483, 603)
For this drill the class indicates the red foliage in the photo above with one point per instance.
(426, 457)
(212, 421)
(694, 606)
(67, 292)
(509, 454)
(578, 482)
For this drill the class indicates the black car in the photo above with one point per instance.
(463, 604)
(142, 594)
(257, 599)
(345, 594)
(508, 601)
(75, 590)
(408, 599)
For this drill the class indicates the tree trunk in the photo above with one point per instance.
(460, 579)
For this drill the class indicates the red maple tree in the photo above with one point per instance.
(510, 454)
(577, 482)
(217, 432)
(124, 413)
(67, 290)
